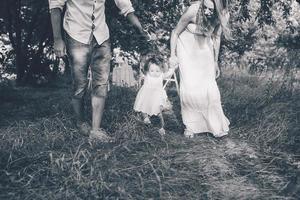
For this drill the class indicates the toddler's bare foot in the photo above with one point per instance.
(162, 131)
(147, 120)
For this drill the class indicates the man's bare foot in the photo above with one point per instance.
(99, 135)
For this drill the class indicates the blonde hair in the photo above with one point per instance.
(221, 16)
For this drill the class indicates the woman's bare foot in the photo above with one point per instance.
(188, 134)
(220, 135)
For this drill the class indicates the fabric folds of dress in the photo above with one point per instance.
(199, 94)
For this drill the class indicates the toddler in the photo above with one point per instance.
(152, 98)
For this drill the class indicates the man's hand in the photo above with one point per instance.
(146, 35)
(59, 48)
(217, 70)
(133, 19)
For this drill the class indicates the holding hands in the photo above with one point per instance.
(146, 35)
(173, 61)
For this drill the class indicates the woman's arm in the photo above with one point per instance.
(185, 19)
(216, 38)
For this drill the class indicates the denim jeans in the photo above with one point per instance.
(82, 56)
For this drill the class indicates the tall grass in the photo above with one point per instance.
(44, 157)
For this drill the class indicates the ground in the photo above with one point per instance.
(43, 156)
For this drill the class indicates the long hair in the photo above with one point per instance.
(220, 15)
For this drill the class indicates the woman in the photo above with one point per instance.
(195, 44)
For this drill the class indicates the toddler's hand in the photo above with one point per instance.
(173, 60)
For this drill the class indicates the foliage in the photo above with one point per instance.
(28, 27)
(264, 40)
(159, 17)
(259, 27)
(6, 56)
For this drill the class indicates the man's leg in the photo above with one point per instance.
(100, 65)
(98, 108)
(79, 56)
(77, 105)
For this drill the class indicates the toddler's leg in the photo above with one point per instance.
(146, 118)
(162, 123)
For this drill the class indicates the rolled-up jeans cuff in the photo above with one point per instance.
(100, 91)
(100, 69)
(79, 93)
(78, 55)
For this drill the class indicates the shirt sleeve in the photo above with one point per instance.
(57, 4)
(125, 7)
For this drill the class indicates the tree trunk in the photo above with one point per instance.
(18, 41)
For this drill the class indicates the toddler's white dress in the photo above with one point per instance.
(151, 98)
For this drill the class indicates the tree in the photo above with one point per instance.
(27, 23)
(13, 25)
(28, 26)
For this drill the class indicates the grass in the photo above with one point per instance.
(44, 157)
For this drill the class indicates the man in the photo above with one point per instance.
(87, 45)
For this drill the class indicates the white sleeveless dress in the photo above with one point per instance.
(151, 98)
(199, 94)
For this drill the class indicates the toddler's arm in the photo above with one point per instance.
(142, 75)
(170, 72)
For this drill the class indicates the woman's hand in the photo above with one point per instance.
(217, 70)
(173, 61)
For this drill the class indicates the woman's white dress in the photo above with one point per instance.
(199, 94)
(151, 98)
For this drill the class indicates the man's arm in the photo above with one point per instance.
(56, 7)
(127, 10)
(132, 18)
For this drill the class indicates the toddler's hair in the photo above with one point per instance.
(152, 60)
